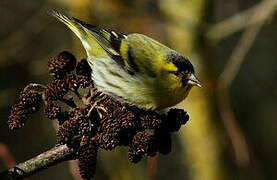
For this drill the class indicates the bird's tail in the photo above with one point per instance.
(89, 42)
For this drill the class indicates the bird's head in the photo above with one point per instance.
(184, 71)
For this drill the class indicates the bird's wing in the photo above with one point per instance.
(109, 40)
(89, 42)
(135, 53)
(144, 54)
(98, 42)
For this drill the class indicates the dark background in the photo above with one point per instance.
(232, 129)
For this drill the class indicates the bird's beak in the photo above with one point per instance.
(192, 80)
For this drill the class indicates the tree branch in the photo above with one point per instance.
(263, 11)
(44, 160)
(241, 20)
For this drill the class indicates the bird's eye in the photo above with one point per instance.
(176, 73)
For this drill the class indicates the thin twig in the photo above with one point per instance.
(238, 55)
(152, 167)
(6, 156)
(229, 73)
(233, 130)
(241, 20)
(35, 86)
(266, 7)
(44, 160)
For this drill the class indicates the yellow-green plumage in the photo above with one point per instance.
(133, 68)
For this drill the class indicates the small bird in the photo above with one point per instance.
(133, 68)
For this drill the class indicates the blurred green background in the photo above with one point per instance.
(232, 45)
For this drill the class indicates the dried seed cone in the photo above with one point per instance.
(84, 81)
(18, 116)
(30, 99)
(163, 142)
(89, 121)
(143, 143)
(56, 90)
(29, 102)
(83, 68)
(61, 65)
(70, 127)
(108, 137)
(87, 157)
(175, 119)
(100, 122)
(76, 125)
(53, 110)
(150, 120)
(68, 130)
(79, 81)
(117, 123)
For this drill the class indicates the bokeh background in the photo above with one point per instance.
(232, 44)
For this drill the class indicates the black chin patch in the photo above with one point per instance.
(181, 62)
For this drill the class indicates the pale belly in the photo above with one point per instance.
(138, 90)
